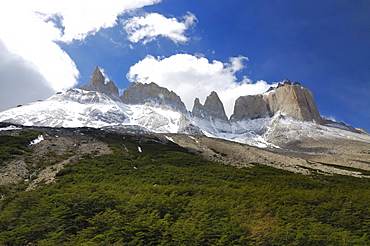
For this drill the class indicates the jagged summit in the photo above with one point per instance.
(250, 107)
(97, 78)
(256, 120)
(211, 116)
(287, 99)
(139, 93)
(212, 108)
(111, 88)
(97, 83)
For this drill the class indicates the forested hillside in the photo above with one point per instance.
(153, 192)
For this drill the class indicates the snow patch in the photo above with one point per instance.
(10, 128)
(37, 140)
(169, 139)
(139, 149)
(194, 139)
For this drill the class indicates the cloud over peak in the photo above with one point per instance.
(195, 76)
(30, 30)
(148, 27)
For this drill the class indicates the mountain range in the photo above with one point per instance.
(91, 167)
(283, 120)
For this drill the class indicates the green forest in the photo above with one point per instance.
(166, 195)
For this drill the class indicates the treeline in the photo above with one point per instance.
(167, 196)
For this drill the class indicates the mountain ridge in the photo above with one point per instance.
(95, 169)
(155, 108)
(97, 83)
(280, 128)
(288, 99)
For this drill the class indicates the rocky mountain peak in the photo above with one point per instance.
(213, 100)
(139, 93)
(251, 107)
(295, 101)
(97, 83)
(288, 99)
(212, 108)
(196, 102)
(97, 78)
(111, 87)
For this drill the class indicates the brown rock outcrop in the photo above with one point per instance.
(139, 93)
(97, 83)
(97, 78)
(212, 108)
(295, 101)
(111, 88)
(251, 107)
(290, 100)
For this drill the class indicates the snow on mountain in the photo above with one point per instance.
(74, 108)
(285, 113)
(157, 119)
(282, 129)
(80, 108)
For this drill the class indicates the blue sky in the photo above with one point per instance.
(235, 47)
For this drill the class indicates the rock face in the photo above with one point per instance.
(251, 107)
(212, 108)
(111, 88)
(290, 100)
(211, 116)
(97, 78)
(97, 83)
(295, 101)
(138, 93)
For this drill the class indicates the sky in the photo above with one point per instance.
(192, 47)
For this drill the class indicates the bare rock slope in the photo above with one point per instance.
(138, 93)
(212, 108)
(289, 100)
(59, 147)
(97, 83)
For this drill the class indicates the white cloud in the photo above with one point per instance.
(330, 117)
(195, 76)
(150, 26)
(20, 81)
(26, 35)
(106, 77)
(29, 31)
(85, 17)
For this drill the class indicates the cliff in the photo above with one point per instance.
(287, 99)
(138, 93)
(97, 83)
